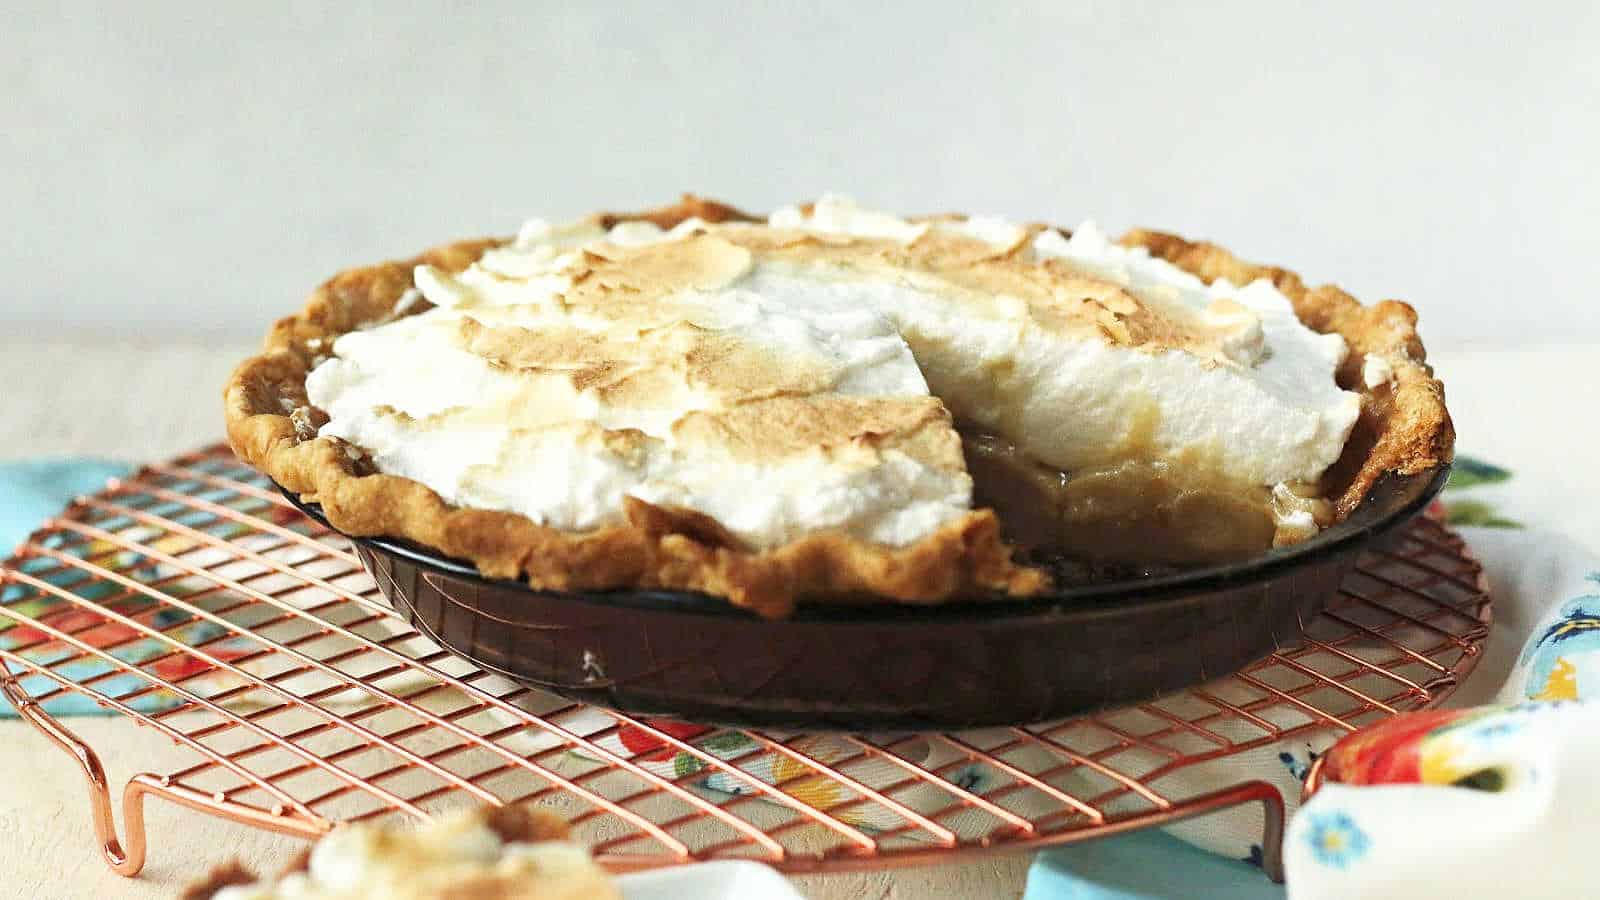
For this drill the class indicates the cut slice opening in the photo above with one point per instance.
(1132, 518)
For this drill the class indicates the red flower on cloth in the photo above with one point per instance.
(646, 747)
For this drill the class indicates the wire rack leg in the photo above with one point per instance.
(126, 856)
(124, 859)
(1272, 814)
(1272, 836)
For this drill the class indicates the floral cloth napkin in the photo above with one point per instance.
(30, 493)
(1490, 801)
(1495, 797)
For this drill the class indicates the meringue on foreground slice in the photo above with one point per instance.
(839, 370)
(506, 853)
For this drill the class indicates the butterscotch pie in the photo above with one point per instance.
(835, 404)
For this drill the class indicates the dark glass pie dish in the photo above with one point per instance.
(887, 666)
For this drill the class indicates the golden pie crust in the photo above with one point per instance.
(1403, 428)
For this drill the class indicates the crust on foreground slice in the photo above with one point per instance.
(1403, 427)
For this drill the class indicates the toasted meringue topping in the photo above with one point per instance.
(781, 377)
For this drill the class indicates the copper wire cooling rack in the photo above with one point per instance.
(193, 599)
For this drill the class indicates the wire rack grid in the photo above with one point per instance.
(192, 599)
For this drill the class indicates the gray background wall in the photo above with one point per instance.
(200, 166)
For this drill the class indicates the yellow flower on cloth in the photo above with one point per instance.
(1561, 660)
(802, 782)
(1561, 683)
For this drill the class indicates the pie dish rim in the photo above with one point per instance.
(1352, 534)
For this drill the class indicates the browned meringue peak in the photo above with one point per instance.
(627, 281)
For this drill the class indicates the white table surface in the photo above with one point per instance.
(136, 399)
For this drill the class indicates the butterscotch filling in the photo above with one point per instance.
(1144, 515)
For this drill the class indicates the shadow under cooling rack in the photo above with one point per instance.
(193, 599)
